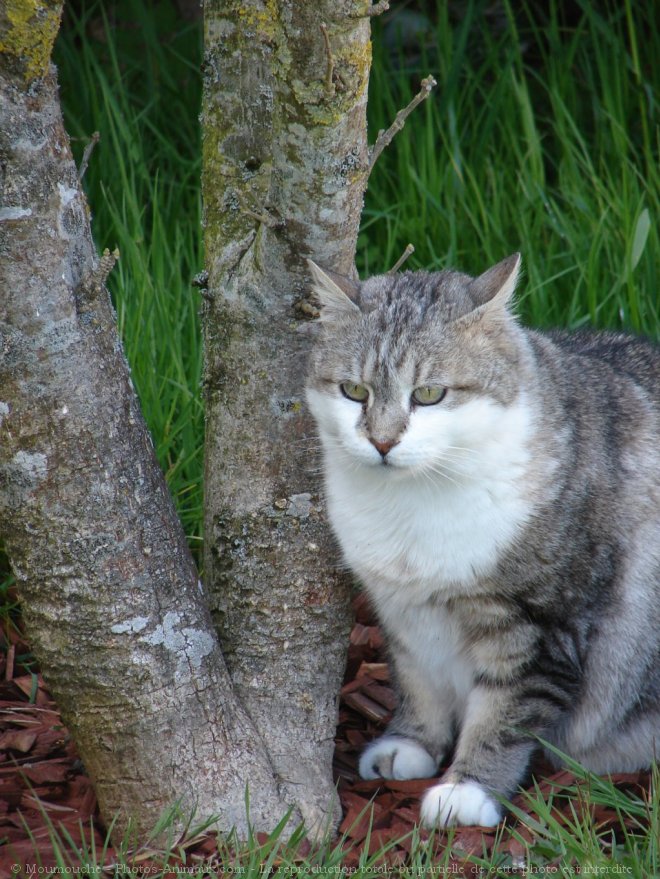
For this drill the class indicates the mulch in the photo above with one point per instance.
(43, 785)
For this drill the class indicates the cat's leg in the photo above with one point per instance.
(615, 726)
(492, 755)
(423, 727)
(624, 747)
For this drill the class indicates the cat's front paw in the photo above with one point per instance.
(396, 757)
(465, 802)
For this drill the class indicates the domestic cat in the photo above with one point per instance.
(496, 490)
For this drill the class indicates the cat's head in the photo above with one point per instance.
(414, 368)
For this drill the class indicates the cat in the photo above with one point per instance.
(496, 490)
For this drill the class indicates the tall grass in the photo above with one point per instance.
(541, 137)
(135, 79)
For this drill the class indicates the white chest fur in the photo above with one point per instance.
(408, 537)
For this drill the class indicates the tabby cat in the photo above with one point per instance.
(497, 492)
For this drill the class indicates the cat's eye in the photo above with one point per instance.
(357, 393)
(428, 395)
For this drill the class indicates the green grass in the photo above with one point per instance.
(550, 149)
(139, 87)
(541, 136)
(547, 843)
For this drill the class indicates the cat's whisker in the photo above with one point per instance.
(306, 443)
(445, 460)
(445, 463)
(427, 478)
(462, 449)
(443, 472)
(472, 458)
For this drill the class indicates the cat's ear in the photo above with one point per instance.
(335, 294)
(495, 287)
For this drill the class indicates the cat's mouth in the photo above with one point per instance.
(381, 463)
(393, 467)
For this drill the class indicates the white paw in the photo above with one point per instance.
(396, 757)
(463, 803)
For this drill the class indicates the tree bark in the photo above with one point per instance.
(112, 602)
(284, 171)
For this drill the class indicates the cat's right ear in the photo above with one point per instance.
(334, 293)
(496, 286)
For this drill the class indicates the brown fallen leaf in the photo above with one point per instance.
(20, 740)
(366, 706)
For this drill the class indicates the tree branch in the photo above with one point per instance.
(376, 9)
(330, 69)
(261, 216)
(385, 138)
(93, 282)
(95, 138)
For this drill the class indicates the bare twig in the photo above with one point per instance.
(385, 138)
(99, 275)
(95, 138)
(376, 9)
(268, 220)
(330, 68)
(404, 256)
(92, 284)
(262, 216)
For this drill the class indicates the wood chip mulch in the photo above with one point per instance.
(43, 784)
(42, 781)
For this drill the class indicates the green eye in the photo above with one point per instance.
(357, 393)
(428, 396)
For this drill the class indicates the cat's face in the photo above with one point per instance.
(412, 372)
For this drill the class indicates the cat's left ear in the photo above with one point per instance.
(335, 294)
(495, 287)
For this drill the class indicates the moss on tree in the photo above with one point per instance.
(27, 35)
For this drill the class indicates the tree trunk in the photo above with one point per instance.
(285, 168)
(111, 599)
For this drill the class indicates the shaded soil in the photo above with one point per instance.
(43, 783)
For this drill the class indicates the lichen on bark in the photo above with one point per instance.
(27, 34)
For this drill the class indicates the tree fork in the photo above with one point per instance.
(111, 599)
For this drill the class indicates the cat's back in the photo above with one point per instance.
(598, 399)
(599, 360)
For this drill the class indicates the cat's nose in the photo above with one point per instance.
(383, 447)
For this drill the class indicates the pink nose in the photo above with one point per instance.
(383, 447)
